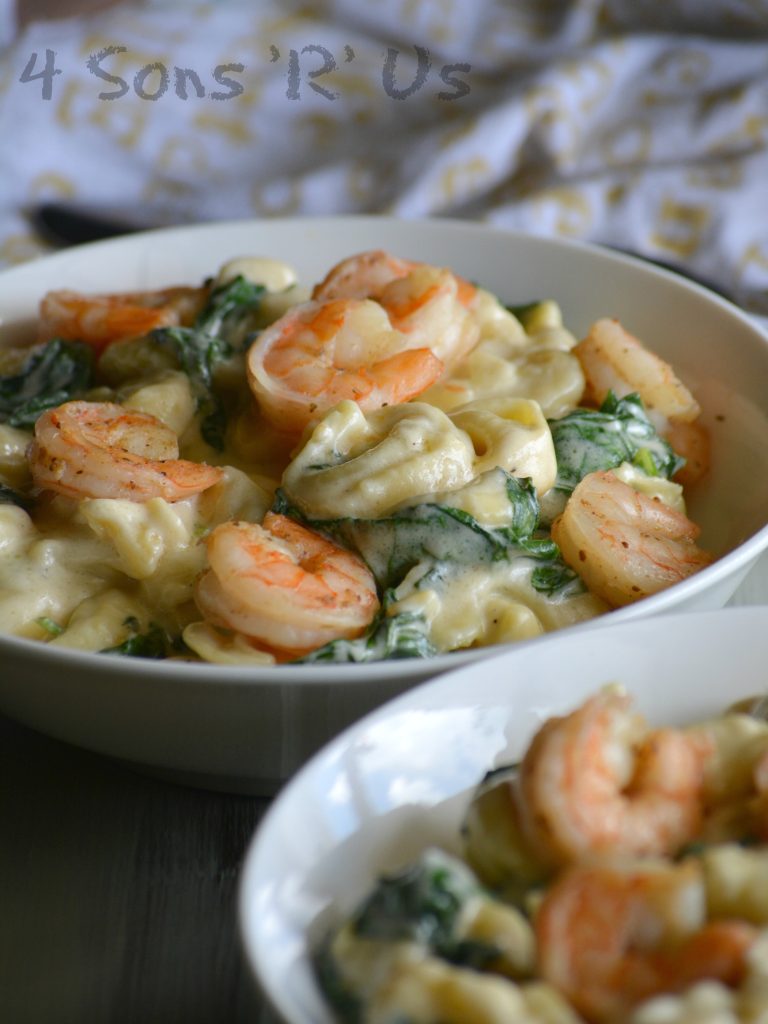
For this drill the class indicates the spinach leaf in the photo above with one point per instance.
(198, 353)
(49, 625)
(554, 577)
(228, 306)
(388, 637)
(472, 953)
(348, 1005)
(55, 373)
(152, 644)
(201, 347)
(589, 440)
(522, 312)
(441, 535)
(422, 903)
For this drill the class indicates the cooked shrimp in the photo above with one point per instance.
(284, 586)
(320, 353)
(431, 305)
(598, 781)
(101, 319)
(624, 544)
(364, 276)
(692, 441)
(101, 450)
(614, 360)
(609, 937)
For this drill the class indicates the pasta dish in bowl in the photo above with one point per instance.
(281, 464)
(527, 839)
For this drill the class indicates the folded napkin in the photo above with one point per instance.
(637, 124)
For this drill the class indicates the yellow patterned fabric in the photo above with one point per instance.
(634, 123)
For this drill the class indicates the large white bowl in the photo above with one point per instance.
(251, 728)
(402, 778)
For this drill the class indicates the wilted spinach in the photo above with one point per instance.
(154, 643)
(54, 373)
(589, 440)
(438, 534)
(387, 637)
(207, 343)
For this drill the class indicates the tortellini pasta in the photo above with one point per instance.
(476, 606)
(221, 648)
(365, 466)
(104, 621)
(551, 377)
(169, 398)
(511, 434)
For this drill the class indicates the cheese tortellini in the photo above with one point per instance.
(366, 466)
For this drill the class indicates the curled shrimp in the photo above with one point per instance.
(100, 320)
(610, 937)
(624, 544)
(432, 306)
(363, 276)
(598, 781)
(284, 586)
(320, 353)
(101, 450)
(692, 441)
(615, 360)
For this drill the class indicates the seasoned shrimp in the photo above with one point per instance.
(101, 319)
(101, 450)
(610, 937)
(364, 276)
(321, 353)
(598, 781)
(624, 544)
(430, 305)
(367, 275)
(284, 586)
(615, 360)
(692, 441)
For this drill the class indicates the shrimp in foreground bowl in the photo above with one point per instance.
(624, 544)
(598, 781)
(609, 936)
(102, 450)
(363, 276)
(321, 353)
(615, 360)
(432, 306)
(100, 320)
(284, 586)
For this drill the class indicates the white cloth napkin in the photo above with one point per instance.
(629, 122)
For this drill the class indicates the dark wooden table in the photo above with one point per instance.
(117, 892)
